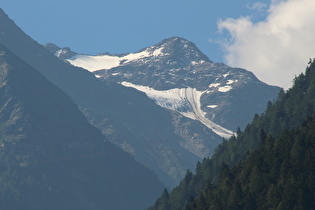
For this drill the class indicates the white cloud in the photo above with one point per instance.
(258, 6)
(277, 48)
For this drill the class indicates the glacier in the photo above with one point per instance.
(186, 101)
(100, 62)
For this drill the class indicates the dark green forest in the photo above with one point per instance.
(269, 165)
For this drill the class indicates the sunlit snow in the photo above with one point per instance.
(58, 52)
(214, 85)
(187, 99)
(195, 62)
(99, 62)
(225, 88)
(157, 52)
(94, 63)
(229, 82)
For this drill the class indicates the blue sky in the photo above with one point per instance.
(239, 33)
(122, 26)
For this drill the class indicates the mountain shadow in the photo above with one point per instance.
(52, 158)
(127, 117)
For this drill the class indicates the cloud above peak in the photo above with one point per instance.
(276, 48)
(258, 6)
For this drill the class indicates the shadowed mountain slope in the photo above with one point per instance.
(128, 118)
(52, 158)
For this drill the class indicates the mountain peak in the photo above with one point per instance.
(51, 47)
(175, 39)
(62, 53)
(182, 49)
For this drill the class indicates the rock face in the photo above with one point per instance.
(52, 158)
(163, 140)
(178, 76)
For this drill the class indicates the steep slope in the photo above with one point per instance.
(292, 109)
(177, 64)
(52, 158)
(186, 101)
(162, 140)
(280, 175)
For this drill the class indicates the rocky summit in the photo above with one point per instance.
(178, 76)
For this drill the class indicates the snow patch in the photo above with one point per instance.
(225, 88)
(185, 101)
(229, 82)
(58, 52)
(99, 62)
(94, 63)
(214, 85)
(135, 56)
(196, 63)
(190, 115)
(158, 52)
(173, 99)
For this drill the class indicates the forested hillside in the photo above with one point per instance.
(280, 175)
(277, 154)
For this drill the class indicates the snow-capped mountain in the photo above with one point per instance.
(186, 101)
(62, 53)
(164, 141)
(178, 76)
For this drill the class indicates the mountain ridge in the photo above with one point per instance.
(176, 63)
(51, 157)
(153, 135)
(271, 154)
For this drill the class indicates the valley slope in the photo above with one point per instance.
(269, 165)
(162, 140)
(52, 158)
